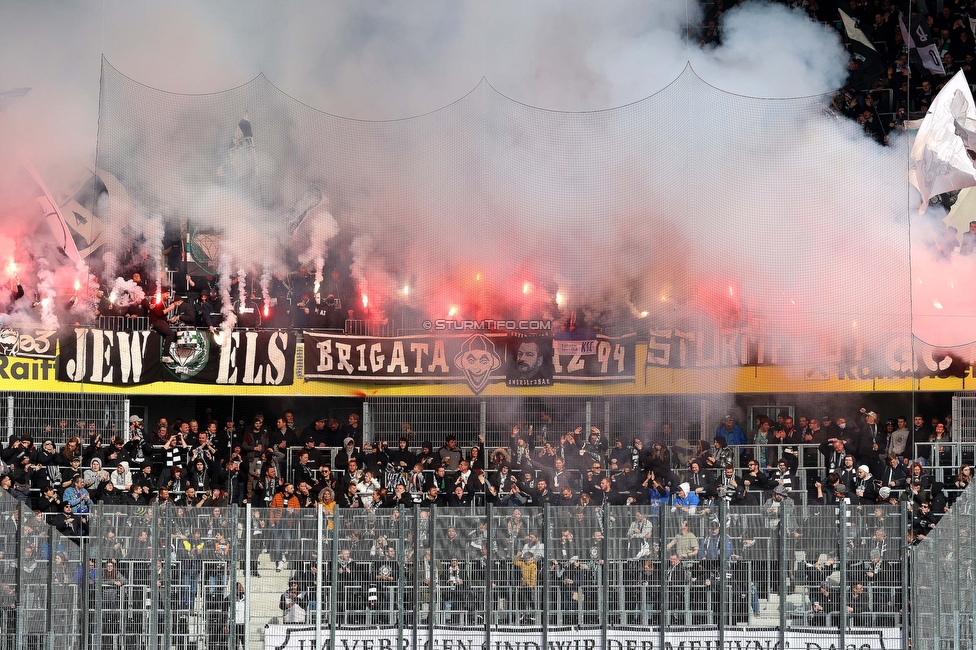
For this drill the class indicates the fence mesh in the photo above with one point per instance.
(60, 416)
(217, 578)
(645, 216)
(943, 605)
(670, 419)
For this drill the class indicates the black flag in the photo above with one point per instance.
(919, 38)
(869, 65)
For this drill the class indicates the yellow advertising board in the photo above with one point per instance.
(39, 374)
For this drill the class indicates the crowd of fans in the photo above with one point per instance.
(902, 88)
(214, 464)
(283, 470)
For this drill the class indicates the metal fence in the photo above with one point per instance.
(964, 417)
(170, 577)
(670, 418)
(61, 416)
(944, 583)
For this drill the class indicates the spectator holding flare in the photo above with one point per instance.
(161, 320)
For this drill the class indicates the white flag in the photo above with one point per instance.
(940, 161)
(52, 214)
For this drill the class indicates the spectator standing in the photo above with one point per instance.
(282, 523)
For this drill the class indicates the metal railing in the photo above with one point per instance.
(167, 577)
(944, 591)
(123, 323)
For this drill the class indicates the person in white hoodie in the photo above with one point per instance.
(122, 477)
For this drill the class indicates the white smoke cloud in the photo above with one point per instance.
(266, 288)
(47, 294)
(124, 293)
(110, 264)
(229, 319)
(242, 295)
(776, 230)
(773, 51)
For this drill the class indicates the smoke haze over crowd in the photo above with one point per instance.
(779, 212)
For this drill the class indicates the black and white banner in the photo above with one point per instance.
(106, 357)
(23, 341)
(255, 358)
(919, 38)
(478, 359)
(302, 637)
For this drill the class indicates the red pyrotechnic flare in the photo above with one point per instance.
(266, 311)
(365, 301)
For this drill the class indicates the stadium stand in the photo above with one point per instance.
(637, 534)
